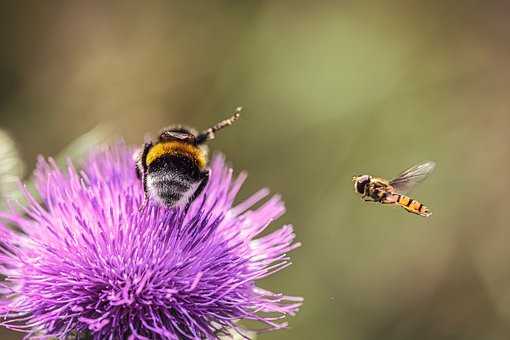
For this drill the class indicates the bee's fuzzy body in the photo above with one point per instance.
(174, 169)
(173, 178)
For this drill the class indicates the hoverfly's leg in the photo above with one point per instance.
(367, 198)
(381, 196)
(388, 198)
(375, 195)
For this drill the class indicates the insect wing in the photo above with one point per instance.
(408, 179)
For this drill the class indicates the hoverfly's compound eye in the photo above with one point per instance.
(361, 183)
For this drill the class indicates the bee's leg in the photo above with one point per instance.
(142, 172)
(205, 179)
(142, 160)
(200, 188)
(145, 192)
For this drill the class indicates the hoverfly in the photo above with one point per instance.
(376, 189)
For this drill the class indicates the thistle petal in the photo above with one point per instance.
(88, 261)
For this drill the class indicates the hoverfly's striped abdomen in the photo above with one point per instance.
(412, 205)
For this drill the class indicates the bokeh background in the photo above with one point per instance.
(330, 90)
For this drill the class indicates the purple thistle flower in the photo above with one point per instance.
(88, 262)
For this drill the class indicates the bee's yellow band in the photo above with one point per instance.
(176, 147)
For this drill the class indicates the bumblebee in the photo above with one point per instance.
(173, 169)
(376, 189)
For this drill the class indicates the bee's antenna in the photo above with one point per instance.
(209, 134)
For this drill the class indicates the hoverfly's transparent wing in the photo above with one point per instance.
(408, 179)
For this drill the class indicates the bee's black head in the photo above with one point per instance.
(360, 183)
(180, 134)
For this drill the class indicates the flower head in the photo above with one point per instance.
(87, 260)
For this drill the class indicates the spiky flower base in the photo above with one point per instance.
(88, 260)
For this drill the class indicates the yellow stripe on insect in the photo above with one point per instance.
(175, 147)
(416, 206)
(404, 200)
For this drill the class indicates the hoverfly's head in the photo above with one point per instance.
(360, 183)
(178, 134)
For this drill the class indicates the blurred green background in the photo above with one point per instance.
(330, 90)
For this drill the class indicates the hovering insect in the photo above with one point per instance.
(173, 169)
(375, 189)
